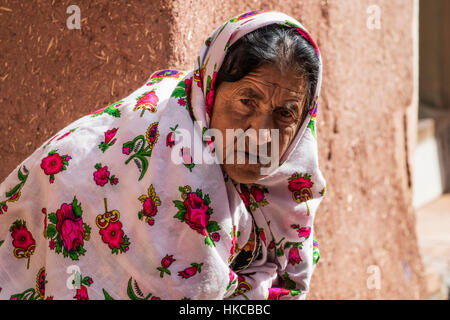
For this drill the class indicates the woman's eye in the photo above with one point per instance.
(285, 113)
(246, 101)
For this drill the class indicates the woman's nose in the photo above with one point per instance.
(262, 125)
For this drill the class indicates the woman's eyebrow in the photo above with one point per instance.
(249, 92)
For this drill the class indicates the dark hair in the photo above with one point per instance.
(280, 45)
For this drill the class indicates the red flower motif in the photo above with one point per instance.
(70, 228)
(304, 232)
(210, 96)
(82, 293)
(149, 208)
(215, 236)
(191, 271)
(296, 184)
(257, 193)
(294, 256)
(188, 83)
(52, 244)
(126, 150)
(196, 216)
(22, 238)
(110, 134)
(245, 195)
(277, 293)
(233, 241)
(186, 155)
(170, 139)
(181, 102)
(52, 164)
(64, 135)
(149, 100)
(167, 261)
(262, 235)
(101, 176)
(113, 235)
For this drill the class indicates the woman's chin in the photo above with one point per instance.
(243, 173)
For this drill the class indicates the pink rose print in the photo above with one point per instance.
(150, 202)
(245, 195)
(257, 193)
(196, 216)
(54, 163)
(303, 232)
(147, 101)
(195, 210)
(81, 291)
(165, 264)
(170, 139)
(277, 293)
(109, 139)
(262, 235)
(210, 93)
(70, 228)
(232, 278)
(294, 256)
(101, 176)
(187, 158)
(67, 230)
(254, 197)
(300, 186)
(191, 271)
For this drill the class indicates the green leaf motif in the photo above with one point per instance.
(51, 231)
(179, 93)
(207, 199)
(209, 242)
(312, 126)
(73, 254)
(179, 205)
(212, 226)
(76, 207)
(107, 296)
(180, 215)
(112, 111)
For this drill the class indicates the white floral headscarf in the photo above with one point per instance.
(100, 210)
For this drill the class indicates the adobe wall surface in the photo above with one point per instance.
(366, 120)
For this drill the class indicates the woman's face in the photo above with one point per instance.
(264, 99)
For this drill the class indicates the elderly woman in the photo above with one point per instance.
(118, 205)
